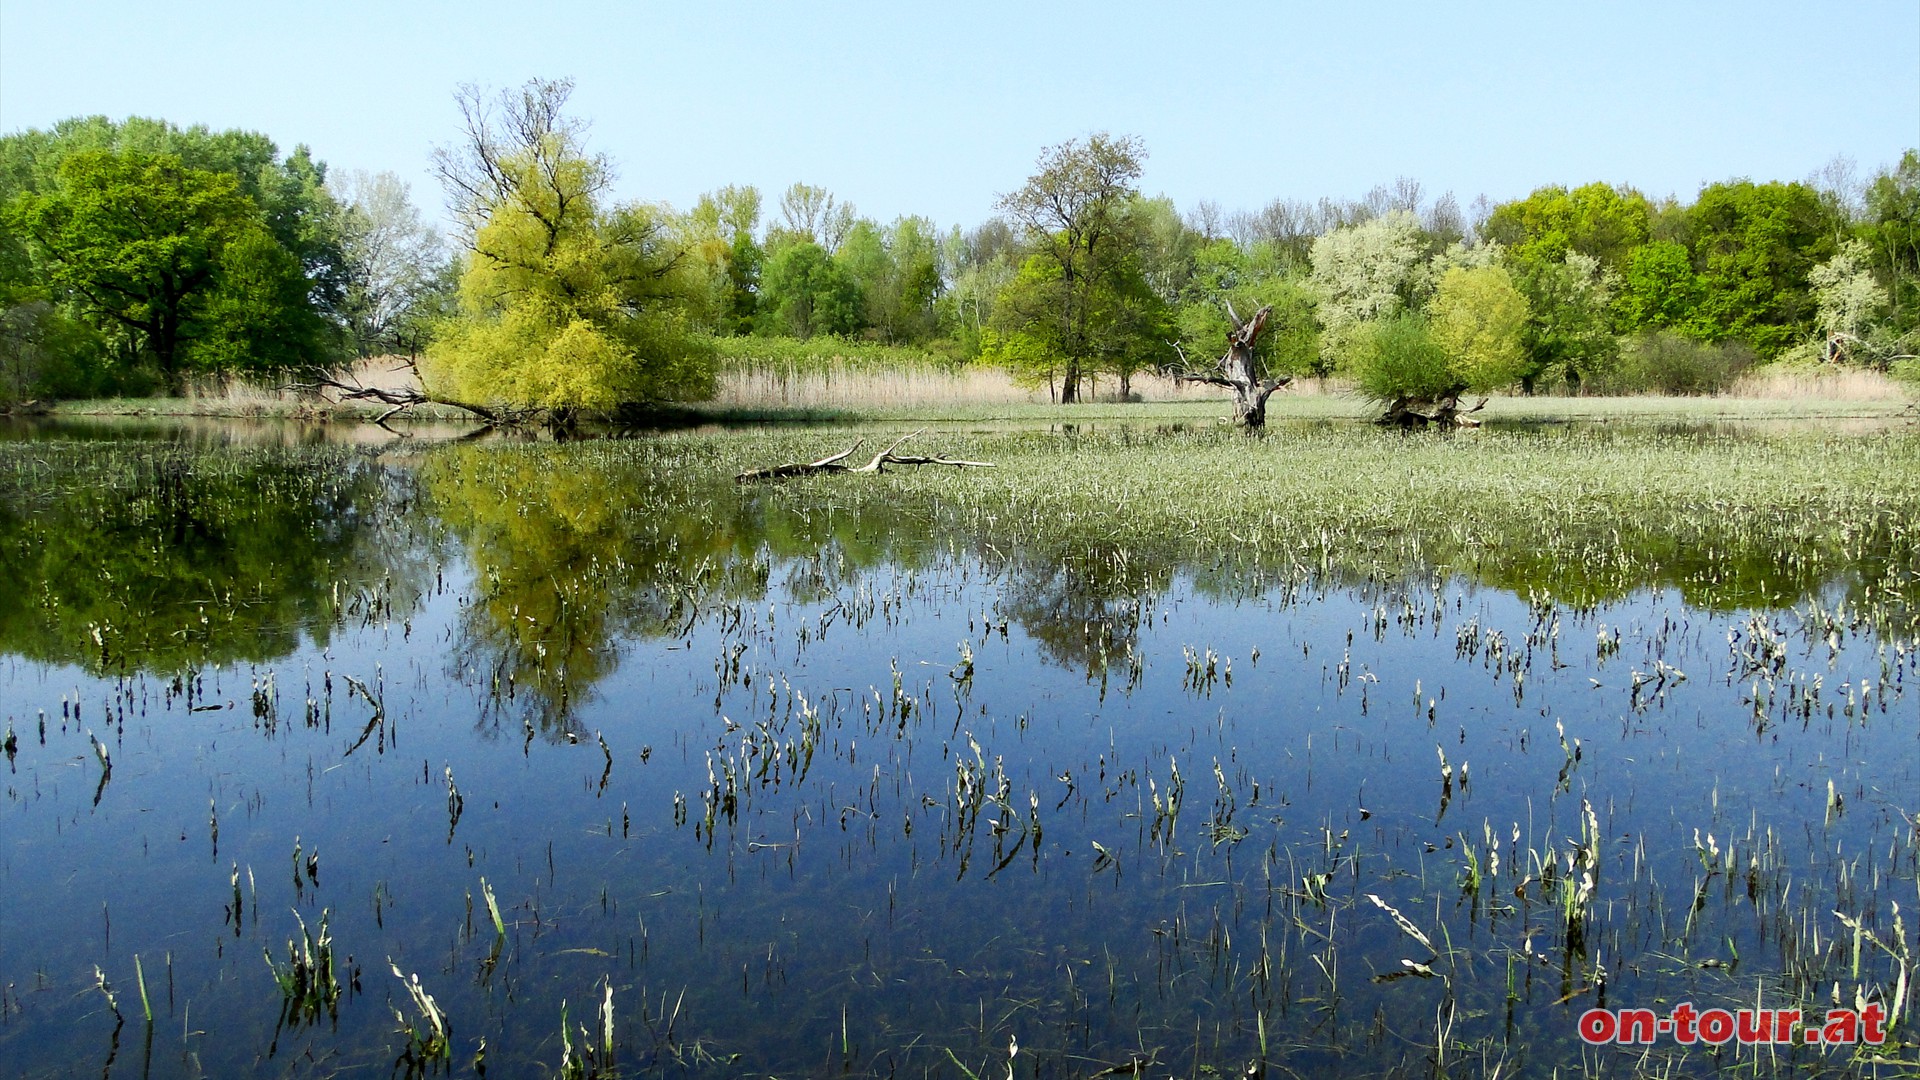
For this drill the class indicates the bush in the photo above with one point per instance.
(1907, 372)
(46, 354)
(1397, 357)
(1667, 363)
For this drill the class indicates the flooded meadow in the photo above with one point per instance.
(1151, 750)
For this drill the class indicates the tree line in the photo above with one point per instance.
(137, 254)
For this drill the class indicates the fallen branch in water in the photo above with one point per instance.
(835, 463)
(399, 399)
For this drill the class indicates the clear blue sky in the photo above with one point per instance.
(905, 108)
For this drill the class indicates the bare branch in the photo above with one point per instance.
(402, 398)
(832, 463)
(874, 465)
(1237, 370)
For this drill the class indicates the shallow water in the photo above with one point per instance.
(818, 784)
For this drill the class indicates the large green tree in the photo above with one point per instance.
(176, 258)
(1569, 335)
(721, 231)
(1597, 220)
(272, 300)
(807, 292)
(897, 272)
(566, 303)
(1892, 230)
(1079, 228)
(1659, 288)
(291, 191)
(1753, 246)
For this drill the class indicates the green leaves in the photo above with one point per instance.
(1659, 288)
(807, 292)
(177, 258)
(564, 303)
(1398, 357)
(1080, 301)
(1478, 317)
(1754, 245)
(180, 250)
(1597, 220)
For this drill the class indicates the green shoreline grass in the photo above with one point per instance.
(1539, 409)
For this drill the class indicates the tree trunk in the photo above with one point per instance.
(166, 350)
(1239, 371)
(1442, 411)
(1070, 384)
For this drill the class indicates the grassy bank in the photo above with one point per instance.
(826, 380)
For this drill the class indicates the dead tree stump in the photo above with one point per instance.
(1239, 370)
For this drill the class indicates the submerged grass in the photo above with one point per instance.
(1585, 514)
(958, 856)
(309, 987)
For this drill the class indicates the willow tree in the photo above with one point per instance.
(566, 302)
(1470, 340)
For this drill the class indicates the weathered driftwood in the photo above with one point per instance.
(401, 398)
(835, 463)
(1443, 411)
(1238, 370)
(1844, 348)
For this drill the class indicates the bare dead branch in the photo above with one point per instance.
(1238, 370)
(896, 459)
(1203, 379)
(833, 463)
(874, 465)
(403, 398)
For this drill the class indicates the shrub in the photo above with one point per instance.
(1908, 372)
(1398, 357)
(45, 353)
(1665, 362)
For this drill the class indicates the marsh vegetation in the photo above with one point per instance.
(528, 758)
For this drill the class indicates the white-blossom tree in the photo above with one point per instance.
(395, 261)
(1369, 271)
(1847, 296)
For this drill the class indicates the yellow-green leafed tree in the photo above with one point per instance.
(1478, 317)
(565, 303)
(1469, 339)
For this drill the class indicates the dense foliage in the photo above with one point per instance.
(135, 254)
(565, 303)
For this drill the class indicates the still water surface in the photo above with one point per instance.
(819, 789)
